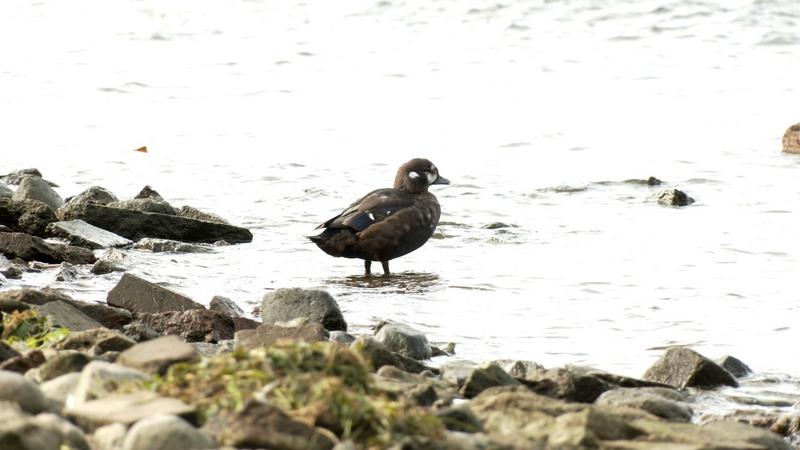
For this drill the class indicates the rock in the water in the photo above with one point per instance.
(99, 379)
(194, 213)
(315, 306)
(225, 306)
(485, 377)
(735, 366)
(135, 225)
(141, 296)
(96, 341)
(156, 355)
(403, 339)
(67, 272)
(65, 315)
(112, 260)
(34, 188)
(82, 234)
(27, 216)
(662, 402)
(17, 176)
(125, 409)
(674, 197)
(22, 391)
(166, 432)
(32, 248)
(267, 334)
(342, 337)
(791, 139)
(165, 245)
(681, 367)
(5, 191)
(194, 325)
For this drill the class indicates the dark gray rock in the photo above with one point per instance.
(15, 177)
(403, 339)
(24, 362)
(141, 296)
(65, 315)
(62, 363)
(662, 402)
(194, 325)
(681, 367)
(674, 197)
(314, 306)
(267, 334)
(342, 337)
(735, 366)
(225, 306)
(82, 234)
(485, 377)
(126, 409)
(94, 194)
(377, 355)
(32, 248)
(27, 216)
(135, 225)
(459, 418)
(67, 272)
(22, 391)
(35, 188)
(5, 191)
(166, 432)
(165, 245)
(96, 341)
(194, 213)
(140, 332)
(156, 355)
(107, 316)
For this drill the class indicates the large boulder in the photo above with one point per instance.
(267, 334)
(314, 306)
(22, 391)
(791, 139)
(27, 216)
(194, 325)
(682, 367)
(135, 225)
(82, 234)
(34, 188)
(32, 248)
(156, 355)
(141, 296)
(166, 432)
(403, 339)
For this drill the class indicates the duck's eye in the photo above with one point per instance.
(413, 175)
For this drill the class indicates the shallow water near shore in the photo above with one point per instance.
(277, 115)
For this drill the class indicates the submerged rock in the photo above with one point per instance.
(403, 339)
(674, 197)
(682, 367)
(141, 296)
(35, 188)
(82, 234)
(32, 248)
(313, 306)
(791, 139)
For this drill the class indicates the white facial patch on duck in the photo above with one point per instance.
(413, 175)
(431, 176)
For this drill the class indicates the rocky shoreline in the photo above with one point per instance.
(153, 369)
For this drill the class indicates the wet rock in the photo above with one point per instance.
(5, 191)
(27, 216)
(13, 271)
(65, 315)
(313, 306)
(403, 339)
(35, 188)
(96, 341)
(15, 177)
(140, 332)
(267, 334)
(60, 364)
(125, 409)
(67, 272)
(674, 197)
(735, 366)
(225, 306)
(100, 378)
(141, 296)
(484, 377)
(156, 355)
(33, 296)
(650, 181)
(166, 245)
(112, 260)
(24, 362)
(30, 248)
(107, 316)
(135, 225)
(261, 425)
(791, 139)
(681, 367)
(194, 325)
(22, 391)
(194, 213)
(60, 388)
(342, 337)
(662, 402)
(109, 437)
(459, 418)
(166, 432)
(82, 234)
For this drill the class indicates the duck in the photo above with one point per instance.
(386, 223)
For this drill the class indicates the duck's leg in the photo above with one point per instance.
(385, 265)
(367, 266)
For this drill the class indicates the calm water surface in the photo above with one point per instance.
(276, 115)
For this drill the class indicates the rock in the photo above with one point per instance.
(140, 332)
(61, 364)
(225, 306)
(24, 362)
(791, 139)
(570, 383)
(457, 371)
(30, 248)
(420, 389)
(125, 409)
(141, 296)
(94, 194)
(662, 402)
(342, 337)
(735, 366)
(96, 341)
(112, 260)
(5, 191)
(99, 379)
(261, 425)
(156, 355)
(193, 325)
(166, 245)
(520, 368)
(109, 437)
(107, 316)
(82, 234)
(243, 323)
(717, 435)
(267, 334)
(135, 225)
(13, 271)
(102, 267)
(150, 205)
(58, 389)
(19, 431)
(33, 296)
(166, 432)
(27, 216)
(194, 213)
(7, 352)
(459, 418)
(378, 355)
(315, 306)
(403, 339)
(16, 176)
(587, 428)
(66, 272)
(65, 315)
(35, 188)
(22, 391)
(71, 436)
(484, 377)
(681, 367)
(674, 197)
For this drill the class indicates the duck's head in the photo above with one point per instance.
(416, 175)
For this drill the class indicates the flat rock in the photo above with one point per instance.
(82, 234)
(314, 306)
(22, 391)
(35, 188)
(403, 339)
(32, 248)
(156, 355)
(681, 367)
(791, 139)
(96, 341)
(27, 216)
(166, 432)
(107, 316)
(662, 402)
(485, 377)
(141, 296)
(125, 409)
(166, 245)
(673, 197)
(225, 306)
(65, 315)
(135, 225)
(194, 325)
(267, 334)
(194, 213)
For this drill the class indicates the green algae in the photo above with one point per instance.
(31, 328)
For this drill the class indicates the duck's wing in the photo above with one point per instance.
(372, 208)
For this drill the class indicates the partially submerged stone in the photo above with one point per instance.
(735, 366)
(311, 305)
(674, 197)
(32, 248)
(141, 296)
(403, 339)
(82, 234)
(156, 355)
(166, 245)
(35, 188)
(17, 176)
(682, 367)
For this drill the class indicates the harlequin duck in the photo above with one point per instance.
(386, 223)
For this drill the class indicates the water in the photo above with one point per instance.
(276, 115)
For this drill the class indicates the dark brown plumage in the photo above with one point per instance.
(386, 223)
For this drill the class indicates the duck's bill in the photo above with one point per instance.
(441, 180)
